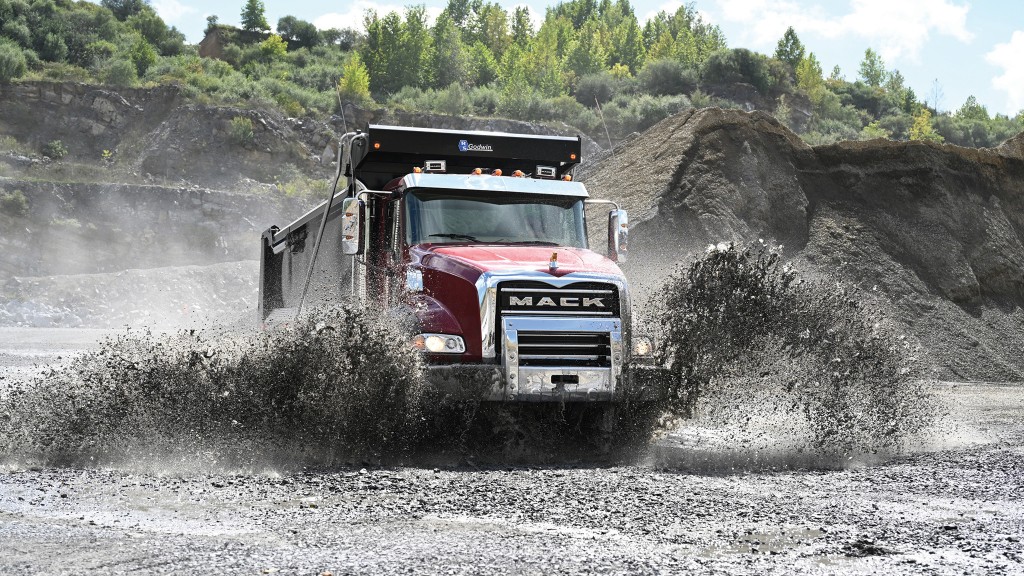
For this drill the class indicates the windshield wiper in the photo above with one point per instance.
(456, 237)
(536, 242)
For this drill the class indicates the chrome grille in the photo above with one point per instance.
(564, 349)
(574, 293)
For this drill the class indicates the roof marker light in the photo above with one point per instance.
(376, 145)
(417, 170)
(518, 174)
(477, 171)
(567, 177)
(572, 156)
(496, 172)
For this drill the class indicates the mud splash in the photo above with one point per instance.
(339, 388)
(338, 384)
(781, 371)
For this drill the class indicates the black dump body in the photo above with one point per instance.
(386, 153)
(392, 151)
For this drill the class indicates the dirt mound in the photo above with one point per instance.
(935, 230)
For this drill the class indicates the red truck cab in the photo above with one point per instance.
(477, 243)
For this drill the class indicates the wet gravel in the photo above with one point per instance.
(686, 505)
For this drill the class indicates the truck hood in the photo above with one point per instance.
(463, 260)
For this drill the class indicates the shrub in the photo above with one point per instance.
(662, 77)
(55, 149)
(120, 72)
(142, 55)
(452, 100)
(354, 85)
(241, 131)
(484, 100)
(856, 382)
(742, 65)
(595, 87)
(14, 203)
(12, 62)
(272, 48)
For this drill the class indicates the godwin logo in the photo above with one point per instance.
(465, 146)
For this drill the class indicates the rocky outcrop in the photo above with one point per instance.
(936, 230)
(156, 133)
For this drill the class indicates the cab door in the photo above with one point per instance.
(385, 266)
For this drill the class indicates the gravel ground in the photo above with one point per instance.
(689, 504)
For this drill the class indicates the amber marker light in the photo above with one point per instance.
(567, 177)
(376, 145)
(518, 174)
(572, 156)
(417, 170)
(477, 172)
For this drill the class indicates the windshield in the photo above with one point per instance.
(459, 216)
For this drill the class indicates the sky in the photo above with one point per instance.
(947, 50)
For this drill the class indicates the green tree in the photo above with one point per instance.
(354, 85)
(382, 38)
(450, 58)
(483, 66)
(627, 44)
(298, 33)
(411, 63)
(254, 18)
(872, 69)
(809, 79)
(922, 128)
(790, 49)
(895, 90)
(522, 28)
(123, 9)
(972, 110)
(490, 26)
(587, 55)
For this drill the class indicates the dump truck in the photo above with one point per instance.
(478, 243)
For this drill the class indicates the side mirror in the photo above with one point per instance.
(618, 235)
(351, 224)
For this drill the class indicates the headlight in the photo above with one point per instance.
(642, 346)
(439, 343)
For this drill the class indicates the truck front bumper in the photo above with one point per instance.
(548, 384)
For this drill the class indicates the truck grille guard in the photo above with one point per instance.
(554, 351)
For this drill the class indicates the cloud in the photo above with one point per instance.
(896, 28)
(1008, 57)
(353, 17)
(171, 11)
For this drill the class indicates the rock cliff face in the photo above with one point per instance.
(936, 231)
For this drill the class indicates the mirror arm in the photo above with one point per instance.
(601, 201)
